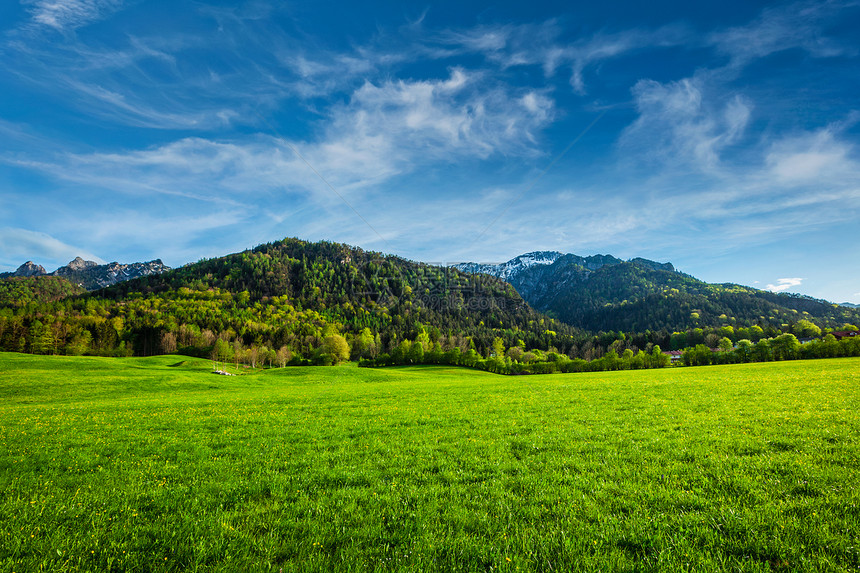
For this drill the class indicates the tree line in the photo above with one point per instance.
(517, 360)
(293, 302)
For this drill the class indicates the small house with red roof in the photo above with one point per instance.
(840, 334)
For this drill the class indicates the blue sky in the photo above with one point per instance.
(722, 138)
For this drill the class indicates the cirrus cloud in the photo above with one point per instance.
(63, 15)
(18, 245)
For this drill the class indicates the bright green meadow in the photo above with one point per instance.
(157, 464)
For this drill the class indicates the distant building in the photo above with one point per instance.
(840, 334)
(674, 355)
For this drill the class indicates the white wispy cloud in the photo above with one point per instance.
(116, 84)
(453, 116)
(262, 66)
(784, 284)
(704, 174)
(325, 72)
(540, 45)
(783, 27)
(129, 235)
(138, 110)
(162, 232)
(63, 15)
(384, 130)
(603, 47)
(813, 157)
(151, 80)
(376, 117)
(682, 122)
(19, 245)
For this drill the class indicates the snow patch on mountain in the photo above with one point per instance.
(91, 275)
(512, 267)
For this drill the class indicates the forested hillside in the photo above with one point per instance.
(304, 299)
(297, 302)
(641, 295)
(17, 292)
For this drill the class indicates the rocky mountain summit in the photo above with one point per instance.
(28, 269)
(91, 275)
(605, 293)
(512, 268)
(540, 274)
(293, 287)
(76, 266)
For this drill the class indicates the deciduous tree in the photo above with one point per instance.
(336, 346)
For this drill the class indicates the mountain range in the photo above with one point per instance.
(295, 294)
(91, 275)
(289, 293)
(602, 292)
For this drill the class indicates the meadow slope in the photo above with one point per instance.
(156, 464)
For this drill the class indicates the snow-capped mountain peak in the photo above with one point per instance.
(512, 267)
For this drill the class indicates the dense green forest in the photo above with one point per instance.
(294, 302)
(638, 295)
(291, 296)
(18, 292)
(515, 360)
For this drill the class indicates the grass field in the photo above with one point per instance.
(158, 465)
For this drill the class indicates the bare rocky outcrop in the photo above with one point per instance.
(76, 266)
(91, 275)
(30, 269)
